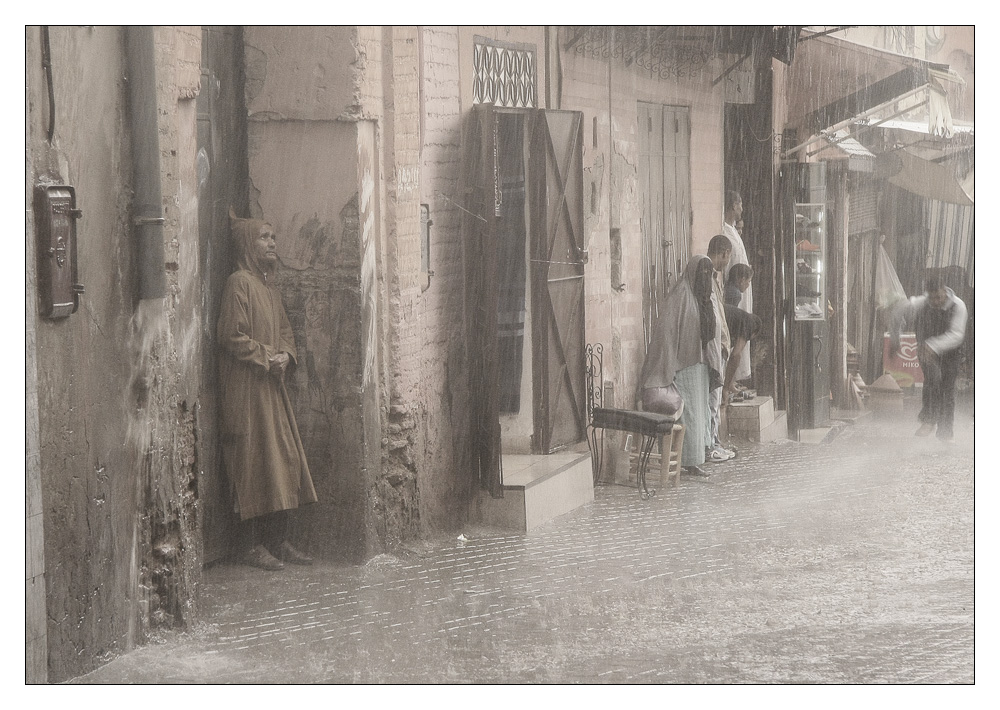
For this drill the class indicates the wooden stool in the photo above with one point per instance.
(650, 428)
(672, 442)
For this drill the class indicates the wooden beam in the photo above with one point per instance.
(731, 69)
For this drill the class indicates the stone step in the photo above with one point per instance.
(748, 430)
(750, 417)
(778, 429)
(536, 490)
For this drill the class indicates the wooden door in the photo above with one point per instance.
(557, 270)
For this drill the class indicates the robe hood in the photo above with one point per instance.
(244, 232)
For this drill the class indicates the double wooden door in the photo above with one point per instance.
(550, 220)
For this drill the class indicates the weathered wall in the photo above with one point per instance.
(35, 633)
(398, 115)
(304, 173)
(958, 51)
(445, 484)
(171, 506)
(116, 421)
(615, 318)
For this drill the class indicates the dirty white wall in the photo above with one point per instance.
(615, 318)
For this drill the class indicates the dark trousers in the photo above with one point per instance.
(939, 393)
(269, 530)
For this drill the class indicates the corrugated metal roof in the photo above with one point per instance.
(859, 158)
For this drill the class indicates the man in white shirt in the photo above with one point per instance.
(733, 214)
(939, 318)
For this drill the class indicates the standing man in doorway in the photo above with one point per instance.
(734, 214)
(261, 449)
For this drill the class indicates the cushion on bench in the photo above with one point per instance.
(648, 423)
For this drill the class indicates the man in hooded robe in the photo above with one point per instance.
(675, 373)
(261, 448)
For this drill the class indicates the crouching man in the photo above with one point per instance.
(938, 318)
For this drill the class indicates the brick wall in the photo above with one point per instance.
(397, 486)
(444, 483)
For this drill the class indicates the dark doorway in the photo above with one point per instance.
(525, 287)
(511, 260)
(222, 183)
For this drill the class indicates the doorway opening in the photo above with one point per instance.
(525, 283)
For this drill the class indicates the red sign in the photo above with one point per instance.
(904, 366)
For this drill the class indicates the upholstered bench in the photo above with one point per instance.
(650, 428)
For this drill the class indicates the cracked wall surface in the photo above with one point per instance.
(117, 395)
(307, 179)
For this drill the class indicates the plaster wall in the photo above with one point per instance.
(608, 98)
(300, 72)
(116, 420)
(35, 633)
(310, 180)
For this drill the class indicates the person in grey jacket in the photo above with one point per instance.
(938, 318)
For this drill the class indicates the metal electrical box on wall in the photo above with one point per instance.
(55, 219)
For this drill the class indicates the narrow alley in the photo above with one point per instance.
(848, 561)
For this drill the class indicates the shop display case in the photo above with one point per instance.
(810, 258)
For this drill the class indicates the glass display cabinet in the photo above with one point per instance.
(810, 257)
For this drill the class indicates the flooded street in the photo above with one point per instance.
(849, 561)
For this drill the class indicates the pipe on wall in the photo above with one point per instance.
(147, 201)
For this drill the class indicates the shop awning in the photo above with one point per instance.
(832, 80)
(925, 178)
(840, 146)
(837, 85)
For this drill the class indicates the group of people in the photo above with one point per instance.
(699, 348)
(698, 354)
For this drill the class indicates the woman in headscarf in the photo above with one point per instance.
(261, 449)
(675, 373)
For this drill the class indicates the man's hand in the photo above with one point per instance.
(926, 354)
(278, 363)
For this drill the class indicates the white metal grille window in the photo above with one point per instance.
(504, 74)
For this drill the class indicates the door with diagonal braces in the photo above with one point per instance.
(557, 272)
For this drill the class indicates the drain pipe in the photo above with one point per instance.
(147, 200)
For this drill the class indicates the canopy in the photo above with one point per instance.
(927, 179)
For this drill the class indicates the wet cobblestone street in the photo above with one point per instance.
(849, 561)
